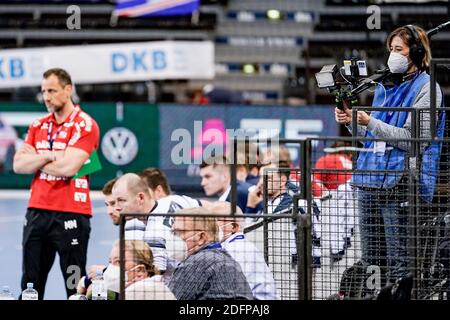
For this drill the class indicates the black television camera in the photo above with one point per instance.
(348, 81)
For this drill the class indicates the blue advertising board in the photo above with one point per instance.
(189, 133)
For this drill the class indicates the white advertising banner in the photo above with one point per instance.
(135, 61)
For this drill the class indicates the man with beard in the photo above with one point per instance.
(59, 209)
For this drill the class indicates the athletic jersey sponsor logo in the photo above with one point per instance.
(81, 183)
(49, 177)
(80, 196)
(87, 121)
(75, 136)
(43, 144)
(70, 224)
(59, 145)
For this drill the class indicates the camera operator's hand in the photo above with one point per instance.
(363, 118)
(343, 117)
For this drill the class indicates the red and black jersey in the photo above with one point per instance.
(64, 194)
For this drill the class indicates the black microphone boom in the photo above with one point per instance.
(368, 82)
(433, 31)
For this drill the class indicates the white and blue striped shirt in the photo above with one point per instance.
(252, 263)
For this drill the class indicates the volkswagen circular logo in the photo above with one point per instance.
(120, 146)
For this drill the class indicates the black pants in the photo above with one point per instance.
(47, 232)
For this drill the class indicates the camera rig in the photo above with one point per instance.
(347, 87)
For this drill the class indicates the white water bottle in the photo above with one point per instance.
(6, 294)
(98, 287)
(29, 293)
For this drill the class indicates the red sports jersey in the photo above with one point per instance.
(64, 194)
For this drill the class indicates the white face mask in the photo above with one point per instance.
(397, 63)
(112, 278)
(176, 248)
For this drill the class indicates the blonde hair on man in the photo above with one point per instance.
(224, 207)
(201, 221)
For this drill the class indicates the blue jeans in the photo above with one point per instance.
(383, 228)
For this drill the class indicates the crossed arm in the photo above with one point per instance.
(57, 163)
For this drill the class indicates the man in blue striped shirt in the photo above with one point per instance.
(208, 271)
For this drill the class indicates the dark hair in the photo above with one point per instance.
(284, 168)
(215, 161)
(62, 75)
(107, 188)
(154, 178)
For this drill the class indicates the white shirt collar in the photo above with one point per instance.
(224, 196)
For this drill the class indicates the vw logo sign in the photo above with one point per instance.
(119, 146)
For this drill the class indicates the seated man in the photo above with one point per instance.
(250, 259)
(280, 193)
(208, 272)
(134, 229)
(109, 201)
(216, 181)
(132, 195)
(158, 185)
(280, 190)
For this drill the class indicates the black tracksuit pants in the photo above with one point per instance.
(47, 232)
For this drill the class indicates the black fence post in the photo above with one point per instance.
(303, 169)
(122, 256)
(433, 67)
(303, 244)
(265, 226)
(233, 177)
(307, 221)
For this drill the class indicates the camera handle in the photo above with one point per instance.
(345, 101)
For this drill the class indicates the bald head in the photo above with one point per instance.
(224, 207)
(131, 194)
(133, 183)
